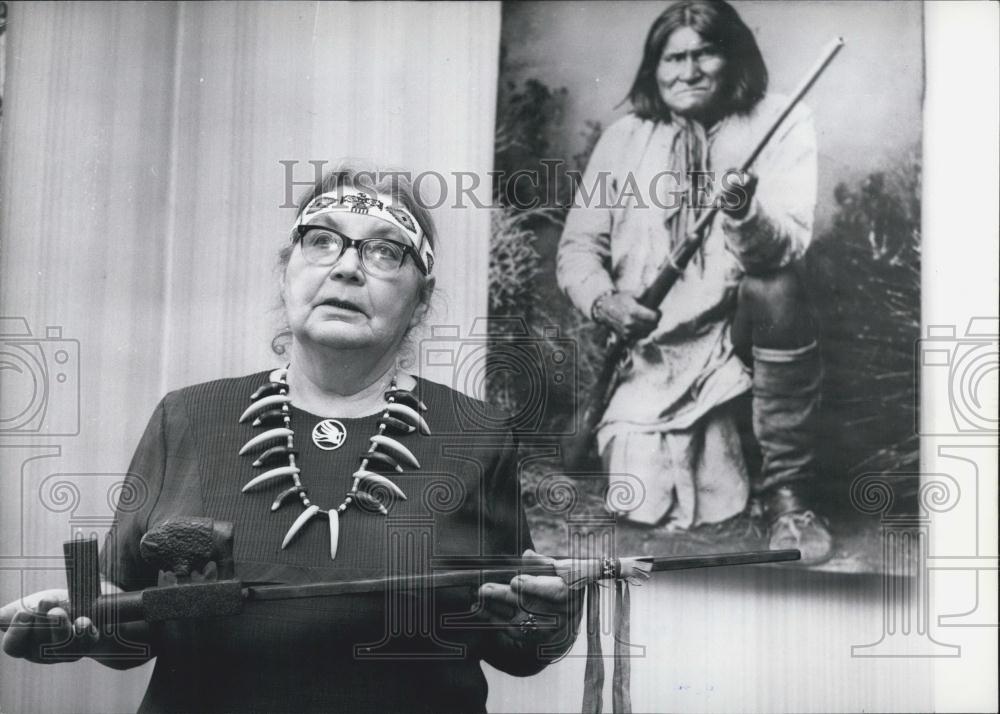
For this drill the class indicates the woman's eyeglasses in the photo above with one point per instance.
(379, 257)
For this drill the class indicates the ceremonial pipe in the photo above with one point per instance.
(658, 563)
(226, 597)
(475, 570)
(616, 349)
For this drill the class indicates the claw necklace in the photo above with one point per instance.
(271, 404)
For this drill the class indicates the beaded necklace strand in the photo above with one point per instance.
(271, 404)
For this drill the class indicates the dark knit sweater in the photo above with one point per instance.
(347, 653)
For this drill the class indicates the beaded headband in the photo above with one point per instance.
(381, 207)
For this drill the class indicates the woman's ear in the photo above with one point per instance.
(282, 284)
(426, 293)
(284, 258)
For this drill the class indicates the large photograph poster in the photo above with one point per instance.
(566, 71)
(150, 159)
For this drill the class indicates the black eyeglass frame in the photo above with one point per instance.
(358, 244)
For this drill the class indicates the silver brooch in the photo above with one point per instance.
(329, 434)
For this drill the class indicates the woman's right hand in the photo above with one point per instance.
(42, 619)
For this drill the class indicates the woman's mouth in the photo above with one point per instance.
(342, 305)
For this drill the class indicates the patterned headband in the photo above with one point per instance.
(381, 207)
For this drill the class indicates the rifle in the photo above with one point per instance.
(616, 362)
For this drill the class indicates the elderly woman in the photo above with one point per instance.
(738, 319)
(306, 461)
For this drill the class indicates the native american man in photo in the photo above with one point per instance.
(738, 319)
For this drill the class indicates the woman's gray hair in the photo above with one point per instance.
(370, 179)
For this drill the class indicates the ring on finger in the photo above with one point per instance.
(528, 624)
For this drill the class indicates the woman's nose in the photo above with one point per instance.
(348, 266)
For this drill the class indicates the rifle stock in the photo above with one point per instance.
(576, 450)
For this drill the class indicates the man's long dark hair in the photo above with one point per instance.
(717, 22)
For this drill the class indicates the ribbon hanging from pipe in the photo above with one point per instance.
(593, 682)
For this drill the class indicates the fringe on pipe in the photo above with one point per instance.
(593, 678)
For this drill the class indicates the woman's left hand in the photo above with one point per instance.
(534, 610)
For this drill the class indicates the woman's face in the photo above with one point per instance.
(691, 75)
(343, 307)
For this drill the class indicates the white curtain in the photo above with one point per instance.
(142, 196)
